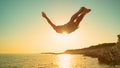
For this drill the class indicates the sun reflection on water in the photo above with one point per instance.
(64, 60)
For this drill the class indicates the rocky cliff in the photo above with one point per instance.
(108, 53)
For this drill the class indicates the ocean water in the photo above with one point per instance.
(49, 61)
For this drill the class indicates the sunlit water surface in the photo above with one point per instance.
(49, 61)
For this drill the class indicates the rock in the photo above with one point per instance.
(106, 58)
(112, 55)
(108, 53)
(118, 38)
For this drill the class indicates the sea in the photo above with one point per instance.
(50, 61)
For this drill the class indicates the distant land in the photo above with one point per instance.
(93, 51)
(51, 53)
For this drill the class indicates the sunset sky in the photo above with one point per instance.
(24, 30)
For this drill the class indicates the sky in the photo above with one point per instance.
(24, 30)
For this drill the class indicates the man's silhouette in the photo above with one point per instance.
(72, 25)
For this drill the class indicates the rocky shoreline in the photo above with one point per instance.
(107, 53)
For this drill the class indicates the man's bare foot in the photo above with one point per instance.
(86, 11)
(82, 9)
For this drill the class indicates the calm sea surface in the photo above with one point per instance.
(49, 61)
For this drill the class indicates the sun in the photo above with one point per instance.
(64, 41)
(64, 37)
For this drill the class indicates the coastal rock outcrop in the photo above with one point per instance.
(111, 55)
(108, 53)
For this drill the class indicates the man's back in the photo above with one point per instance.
(67, 28)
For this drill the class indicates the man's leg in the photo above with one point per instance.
(79, 19)
(76, 15)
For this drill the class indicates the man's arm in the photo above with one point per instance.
(48, 20)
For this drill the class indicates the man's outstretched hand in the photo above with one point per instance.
(43, 14)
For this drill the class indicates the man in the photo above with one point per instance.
(72, 25)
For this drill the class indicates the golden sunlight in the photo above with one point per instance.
(62, 42)
(65, 39)
(64, 60)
